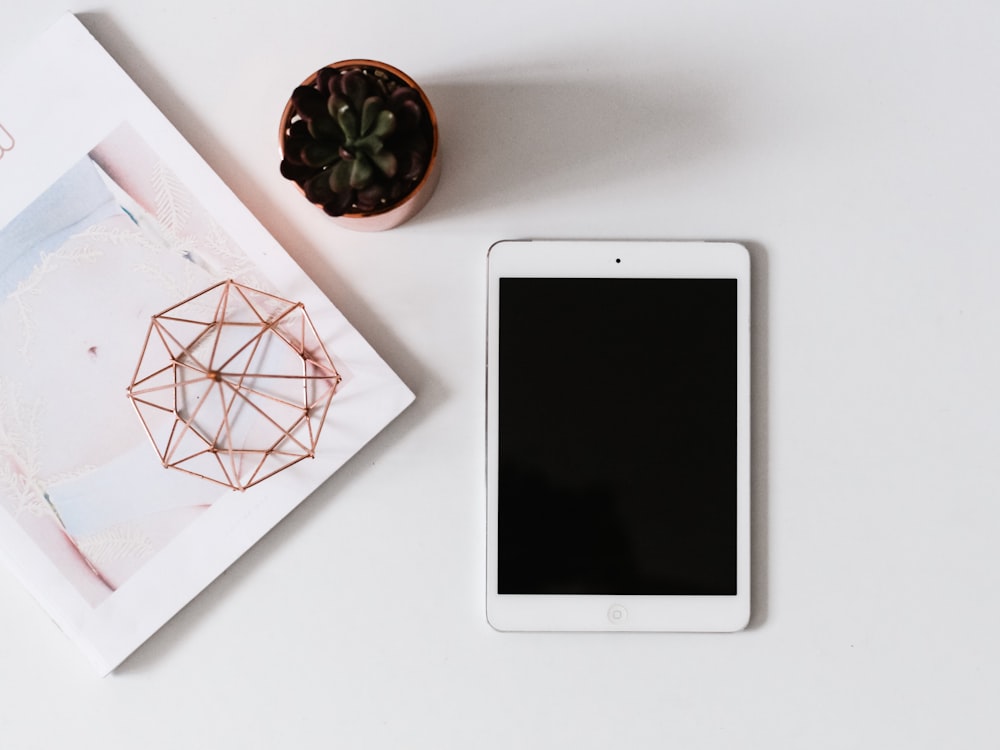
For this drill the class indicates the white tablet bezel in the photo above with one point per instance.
(621, 259)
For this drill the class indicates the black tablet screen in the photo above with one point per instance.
(617, 436)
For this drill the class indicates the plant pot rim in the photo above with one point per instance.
(391, 215)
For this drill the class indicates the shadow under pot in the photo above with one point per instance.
(360, 139)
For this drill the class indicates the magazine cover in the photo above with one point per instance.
(172, 384)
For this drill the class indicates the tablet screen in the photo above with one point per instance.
(617, 436)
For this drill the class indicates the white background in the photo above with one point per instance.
(855, 146)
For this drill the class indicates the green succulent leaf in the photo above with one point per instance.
(387, 162)
(362, 172)
(385, 125)
(316, 154)
(334, 102)
(339, 176)
(370, 144)
(348, 121)
(370, 111)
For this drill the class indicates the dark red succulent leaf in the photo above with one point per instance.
(299, 129)
(397, 189)
(317, 189)
(408, 115)
(417, 163)
(354, 85)
(338, 204)
(292, 147)
(325, 77)
(404, 94)
(371, 197)
(308, 102)
(296, 172)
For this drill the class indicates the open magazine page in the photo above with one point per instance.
(103, 226)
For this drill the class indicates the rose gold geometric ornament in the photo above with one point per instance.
(233, 385)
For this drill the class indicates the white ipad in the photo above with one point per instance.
(618, 436)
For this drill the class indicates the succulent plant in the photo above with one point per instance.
(358, 139)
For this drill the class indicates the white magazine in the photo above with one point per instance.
(108, 217)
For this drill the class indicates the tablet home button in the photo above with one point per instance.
(617, 614)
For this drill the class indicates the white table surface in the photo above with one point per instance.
(854, 146)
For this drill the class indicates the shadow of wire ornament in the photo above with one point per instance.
(233, 385)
